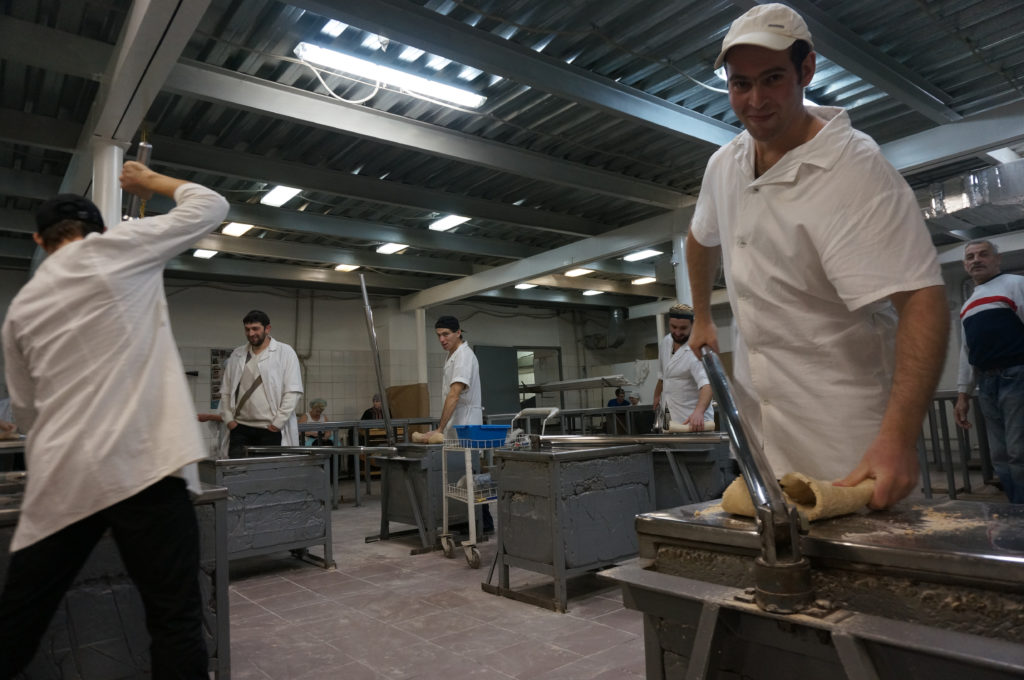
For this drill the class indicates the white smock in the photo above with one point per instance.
(94, 373)
(461, 366)
(682, 375)
(812, 249)
(278, 365)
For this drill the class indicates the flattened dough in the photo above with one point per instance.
(421, 438)
(814, 498)
(673, 426)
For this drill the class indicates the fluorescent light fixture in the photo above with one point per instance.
(410, 54)
(437, 63)
(346, 267)
(644, 280)
(374, 42)
(235, 228)
(579, 272)
(280, 195)
(391, 248)
(525, 286)
(592, 292)
(203, 253)
(446, 223)
(641, 255)
(340, 61)
(333, 28)
(469, 73)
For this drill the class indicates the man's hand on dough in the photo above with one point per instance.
(894, 469)
(696, 421)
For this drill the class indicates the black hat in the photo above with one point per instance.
(449, 322)
(69, 207)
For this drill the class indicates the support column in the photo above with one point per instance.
(683, 294)
(659, 321)
(107, 159)
(421, 346)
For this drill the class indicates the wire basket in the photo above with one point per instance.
(482, 493)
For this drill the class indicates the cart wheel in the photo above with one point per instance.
(448, 546)
(473, 557)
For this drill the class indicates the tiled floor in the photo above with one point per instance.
(387, 614)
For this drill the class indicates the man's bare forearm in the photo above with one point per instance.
(702, 264)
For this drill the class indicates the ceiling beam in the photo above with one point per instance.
(995, 128)
(844, 47)
(17, 248)
(604, 285)
(271, 273)
(21, 41)
(281, 101)
(27, 185)
(310, 252)
(427, 30)
(152, 39)
(259, 168)
(558, 297)
(658, 229)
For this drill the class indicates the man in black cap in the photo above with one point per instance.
(97, 383)
(461, 385)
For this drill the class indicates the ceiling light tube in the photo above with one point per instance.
(592, 292)
(278, 196)
(641, 255)
(346, 267)
(391, 248)
(203, 253)
(525, 286)
(446, 223)
(579, 272)
(433, 89)
(235, 228)
(644, 280)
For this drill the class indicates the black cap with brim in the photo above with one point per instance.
(449, 322)
(69, 207)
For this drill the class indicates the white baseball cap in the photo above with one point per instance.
(773, 26)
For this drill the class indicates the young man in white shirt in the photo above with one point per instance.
(97, 383)
(832, 277)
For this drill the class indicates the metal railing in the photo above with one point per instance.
(950, 450)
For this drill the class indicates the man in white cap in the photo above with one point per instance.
(832, 277)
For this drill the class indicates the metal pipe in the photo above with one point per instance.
(143, 155)
(757, 473)
(389, 433)
(615, 440)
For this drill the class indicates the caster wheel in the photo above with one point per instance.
(448, 546)
(473, 558)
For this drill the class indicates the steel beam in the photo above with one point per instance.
(27, 185)
(21, 42)
(272, 274)
(604, 285)
(258, 168)
(309, 252)
(427, 30)
(17, 248)
(658, 229)
(998, 127)
(155, 33)
(281, 101)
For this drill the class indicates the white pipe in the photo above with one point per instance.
(421, 346)
(683, 294)
(107, 159)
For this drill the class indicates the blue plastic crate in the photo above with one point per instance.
(484, 436)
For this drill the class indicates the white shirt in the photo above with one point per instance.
(282, 384)
(682, 375)
(93, 371)
(812, 249)
(461, 366)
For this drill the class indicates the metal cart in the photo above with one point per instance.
(469, 489)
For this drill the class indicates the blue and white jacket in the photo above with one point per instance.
(993, 328)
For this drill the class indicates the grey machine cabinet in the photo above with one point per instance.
(276, 503)
(925, 589)
(412, 493)
(99, 629)
(563, 513)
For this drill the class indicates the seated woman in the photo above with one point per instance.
(316, 415)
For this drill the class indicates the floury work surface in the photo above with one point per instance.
(386, 614)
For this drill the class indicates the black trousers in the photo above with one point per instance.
(158, 537)
(246, 435)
